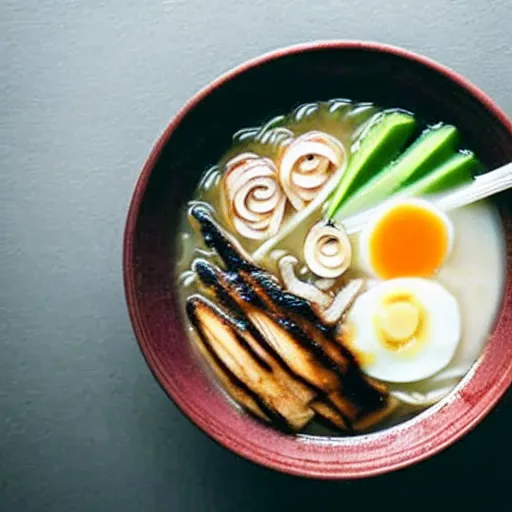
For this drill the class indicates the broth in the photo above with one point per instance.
(473, 272)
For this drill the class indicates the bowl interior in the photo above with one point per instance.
(195, 141)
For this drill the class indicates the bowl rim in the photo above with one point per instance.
(455, 429)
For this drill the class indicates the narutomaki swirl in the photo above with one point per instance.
(307, 164)
(327, 250)
(254, 201)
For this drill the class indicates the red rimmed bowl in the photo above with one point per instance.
(196, 138)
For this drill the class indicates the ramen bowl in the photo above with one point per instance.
(195, 139)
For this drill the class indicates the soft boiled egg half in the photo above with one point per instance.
(404, 330)
(406, 238)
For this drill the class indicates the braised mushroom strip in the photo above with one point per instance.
(330, 308)
(298, 287)
(302, 354)
(234, 347)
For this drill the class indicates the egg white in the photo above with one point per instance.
(442, 334)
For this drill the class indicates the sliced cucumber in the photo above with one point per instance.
(439, 144)
(422, 156)
(378, 147)
(457, 170)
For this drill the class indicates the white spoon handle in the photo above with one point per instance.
(483, 186)
(480, 188)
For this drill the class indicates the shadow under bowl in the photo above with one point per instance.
(196, 138)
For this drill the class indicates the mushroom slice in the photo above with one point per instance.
(222, 287)
(298, 287)
(325, 284)
(329, 309)
(230, 384)
(222, 336)
(327, 411)
(271, 297)
(327, 250)
(331, 413)
(361, 391)
(343, 301)
(301, 362)
(375, 417)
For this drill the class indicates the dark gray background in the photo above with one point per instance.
(85, 89)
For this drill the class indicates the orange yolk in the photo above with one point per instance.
(408, 240)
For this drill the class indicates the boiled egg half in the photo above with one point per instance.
(403, 330)
(406, 238)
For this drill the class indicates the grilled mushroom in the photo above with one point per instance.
(234, 387)
(221, 335)
(308, 348)
(300, 362)
(280, 337)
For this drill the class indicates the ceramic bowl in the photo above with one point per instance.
(195, 139)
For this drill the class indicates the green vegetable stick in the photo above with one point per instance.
(457, 170)
(424, 154)
(377, 148)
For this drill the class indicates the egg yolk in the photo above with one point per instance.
(400, 322)
(408, 240)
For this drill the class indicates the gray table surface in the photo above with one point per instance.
(85, 89)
